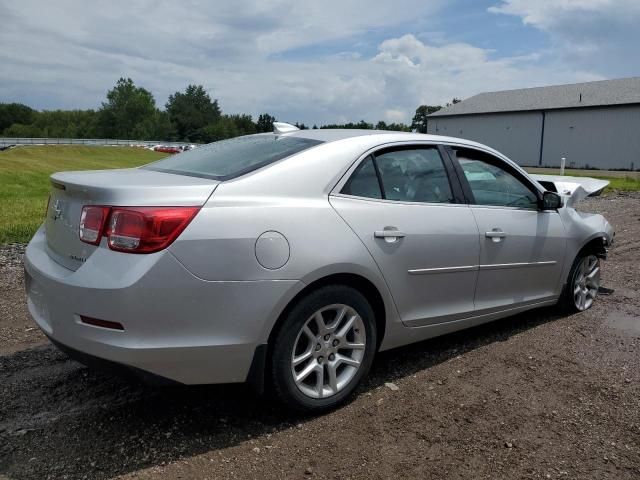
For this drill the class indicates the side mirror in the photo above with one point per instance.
(551, 201)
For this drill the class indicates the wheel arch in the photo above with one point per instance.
(597, 244)
(260, 364)
(353, 280)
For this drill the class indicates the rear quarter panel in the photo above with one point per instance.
(290, 197)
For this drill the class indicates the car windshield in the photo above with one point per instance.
(231, 158)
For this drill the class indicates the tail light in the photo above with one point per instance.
(135, 229)
(91, 223)
(146, 229)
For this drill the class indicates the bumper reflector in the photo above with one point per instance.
(101, 323)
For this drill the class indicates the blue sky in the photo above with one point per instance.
(471, 22)
(314, 62)
(466, 21)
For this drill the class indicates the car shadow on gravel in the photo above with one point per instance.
(58, 418)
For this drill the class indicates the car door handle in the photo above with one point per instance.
(389, 234)
(495, 235)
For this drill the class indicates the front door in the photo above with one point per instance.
(400, 204)
(521, 247)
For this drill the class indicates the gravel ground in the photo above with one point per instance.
(537, 395)
(17, 331)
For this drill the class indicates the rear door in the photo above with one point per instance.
(521, 247)
(410, 215)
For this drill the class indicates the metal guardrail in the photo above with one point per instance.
(86, 141)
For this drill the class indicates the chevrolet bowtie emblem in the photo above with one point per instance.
(57, 210)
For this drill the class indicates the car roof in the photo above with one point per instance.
(374, 138)
(377, 136)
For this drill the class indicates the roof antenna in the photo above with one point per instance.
(281, 127)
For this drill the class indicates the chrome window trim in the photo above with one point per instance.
(503, 207)
(397, 202)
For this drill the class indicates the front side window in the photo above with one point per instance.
(493, 185)
(234, 157)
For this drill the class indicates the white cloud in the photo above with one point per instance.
(414, 72)
(599, 35)
(67, 54)
(395, 116)
(547, 14)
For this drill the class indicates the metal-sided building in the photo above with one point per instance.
(592, 125)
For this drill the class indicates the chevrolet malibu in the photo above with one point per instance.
(288, 259)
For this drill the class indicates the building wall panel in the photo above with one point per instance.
(598, 137)
(516, 135)
(604, 138)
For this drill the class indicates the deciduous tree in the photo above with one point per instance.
(192, 110)
(126, 107)
(11, 113)
(265, 123)
(419, 122)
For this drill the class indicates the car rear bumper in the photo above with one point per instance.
(176, 326)
(115, 368)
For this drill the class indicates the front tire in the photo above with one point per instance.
(323, 349)
(583, 284)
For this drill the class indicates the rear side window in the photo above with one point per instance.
(231, 158)
(364, 181)
(414, 175)
(402, 174)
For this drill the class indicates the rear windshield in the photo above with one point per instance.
(234, 157)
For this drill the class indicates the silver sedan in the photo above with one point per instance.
(288, 259)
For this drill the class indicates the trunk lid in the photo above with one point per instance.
(132, 187)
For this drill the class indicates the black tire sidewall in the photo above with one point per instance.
(283, 383)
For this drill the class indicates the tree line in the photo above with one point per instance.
(130, 112)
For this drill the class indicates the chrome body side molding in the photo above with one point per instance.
(471, 268)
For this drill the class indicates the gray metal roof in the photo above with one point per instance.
(591, 94)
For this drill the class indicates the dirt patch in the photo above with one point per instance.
(536, 395)
(17, 330)
(629, 324)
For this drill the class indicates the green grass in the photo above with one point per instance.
(626, 184)
(24, 179)
(619, 180)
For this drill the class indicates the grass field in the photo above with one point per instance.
(24, 179)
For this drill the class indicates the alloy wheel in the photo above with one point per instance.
(586, 282)
(328, 351)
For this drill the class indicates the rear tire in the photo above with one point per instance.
(583, 283)
(323, 349)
